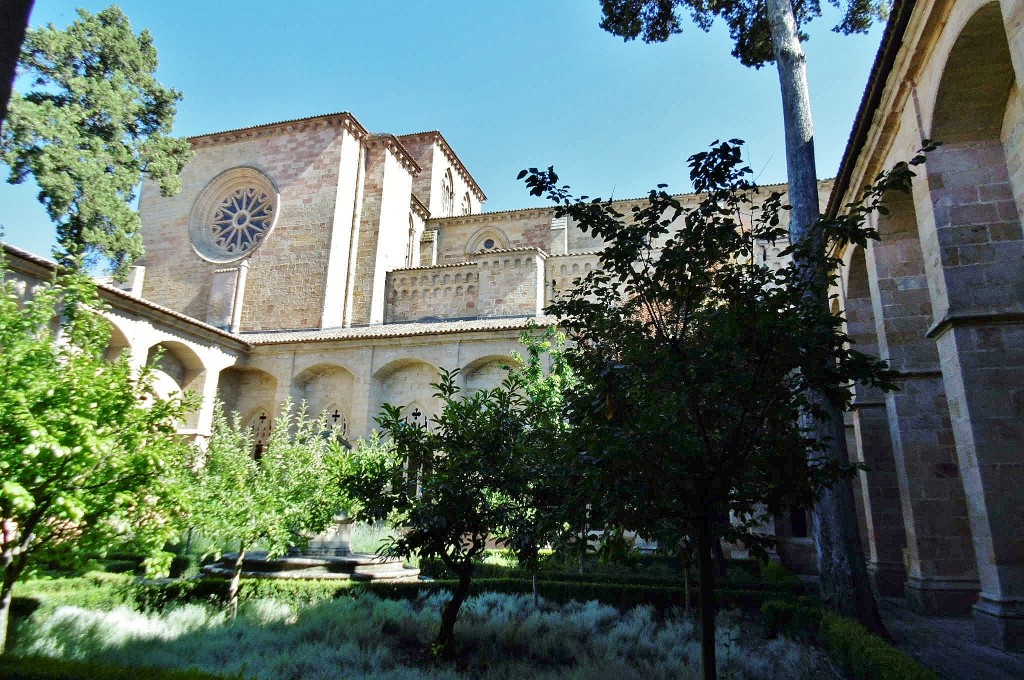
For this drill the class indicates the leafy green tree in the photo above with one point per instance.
(278, 500)
(97, 121)
(695, 360)
(87, 448)
(467, 476)
(766, 31)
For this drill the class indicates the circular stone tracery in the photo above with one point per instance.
(233, 215)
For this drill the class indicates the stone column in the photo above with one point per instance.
(872, 445)
(941, 575)
(977, 252)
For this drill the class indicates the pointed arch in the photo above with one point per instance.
(258, 425)
(447, 194)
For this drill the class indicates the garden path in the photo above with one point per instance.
(946, 644)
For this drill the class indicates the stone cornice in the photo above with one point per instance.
(951, 321)
(343, 119)
(395, 146)
(505, 251)
(420, 210)
(491, 218)
(453, 158)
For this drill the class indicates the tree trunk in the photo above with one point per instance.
(236, 579)
(686, 590)
(706, 567)
(6, 594)
(536, 597)
(13, 21)
(446, 635)
(844, 581)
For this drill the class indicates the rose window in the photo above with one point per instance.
(233, 215)
(242, 220)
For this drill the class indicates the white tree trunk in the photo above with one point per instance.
(844, 580)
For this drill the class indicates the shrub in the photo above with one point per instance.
(794, 620)
(620, 595)
(868, 657)
(778, 580)
(43, 668)
(158, 595)
(502, 636)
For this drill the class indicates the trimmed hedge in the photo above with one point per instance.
(45, 668)
(862, 655)
(156, 595)
(621, 595)
(865, 656)
(794, 620)
(744, 578)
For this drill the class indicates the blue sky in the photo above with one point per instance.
(509, 84)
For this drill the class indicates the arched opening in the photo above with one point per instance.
(406, 383)
(447, 194)
(258, 425)
(244, 390)
(976, 182)
(176, 369)
(117, 344)
(878, 491)
(486, 372)
(978, 117)
(488, 238)
(327, 391)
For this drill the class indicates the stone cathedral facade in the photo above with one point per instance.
(314, 261)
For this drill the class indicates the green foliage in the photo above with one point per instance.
(620, 595)
(481, 469)
(657, 20)
(737, 579)
(694, 358)
(290, 492)
(792, 619)
(155, 596)
(43, 668)
(95, 122)
(88, 451)
(502, 636)
(865, 656)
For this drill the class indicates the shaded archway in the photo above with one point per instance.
(976, 183)
(243, 390)
(405, 383)
(486, 372)
(326, 390)
(177, 368)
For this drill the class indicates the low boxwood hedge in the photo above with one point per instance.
(862, 655)
(621, 595)
(865, 656)
(739, 578)
(45, 668)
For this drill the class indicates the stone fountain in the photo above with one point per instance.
(328, 556)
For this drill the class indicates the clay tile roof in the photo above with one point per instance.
(114, 294)
(892, 40)
(398, 330)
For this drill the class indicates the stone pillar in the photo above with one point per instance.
(941, 575)
(872, 445)
(883, 517)
(978, 253)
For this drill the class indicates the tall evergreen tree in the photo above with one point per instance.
(96, 120)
